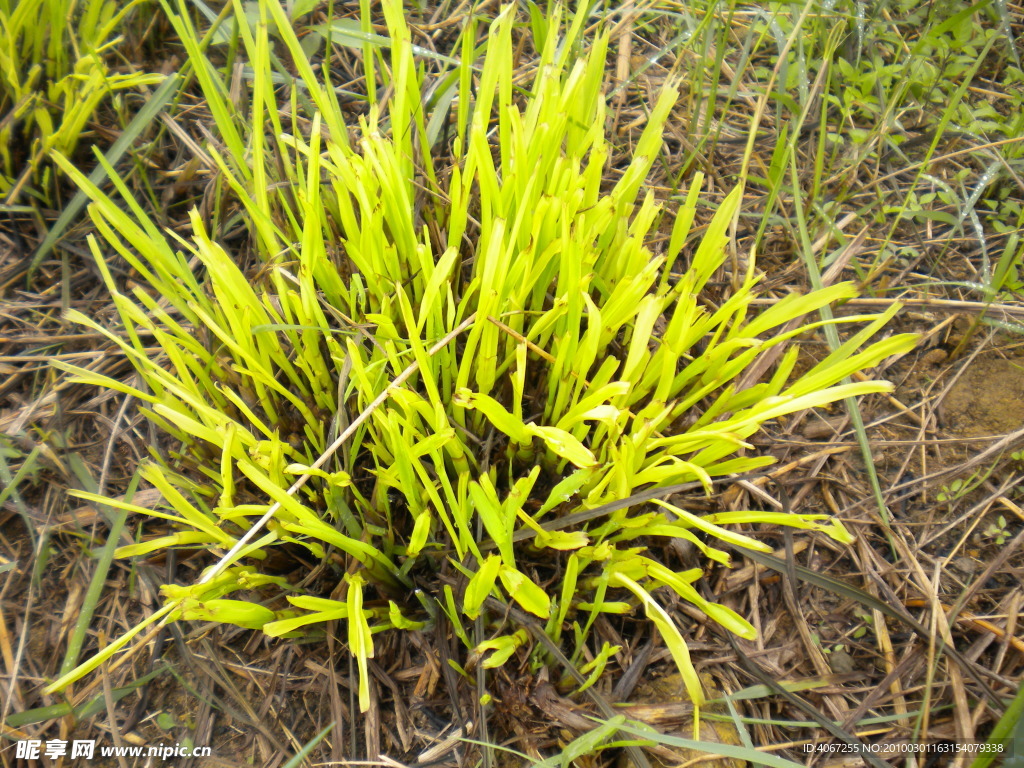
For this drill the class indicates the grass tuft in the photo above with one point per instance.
(442, 356)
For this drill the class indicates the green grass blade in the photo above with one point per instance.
(154, 105)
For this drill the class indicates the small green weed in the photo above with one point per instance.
(954, 490)
(960, 487)
(997, 531)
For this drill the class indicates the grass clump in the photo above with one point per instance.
(54, 73)
(436, 365)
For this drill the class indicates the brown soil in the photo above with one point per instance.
(988, 399)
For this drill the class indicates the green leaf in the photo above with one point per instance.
(680, 584)
(480, 586)
(501, 647)
(88, 666)
(561, 540)
(497, 524)
(669, 633)
(360, 640)
(179, 539)
(237, 612)
(495, 413)
(530, 597)
(565, 445)
(337, 479)
(399, 621)
(324, 611)
(834, 528)
(597, 665)
(702, 524)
